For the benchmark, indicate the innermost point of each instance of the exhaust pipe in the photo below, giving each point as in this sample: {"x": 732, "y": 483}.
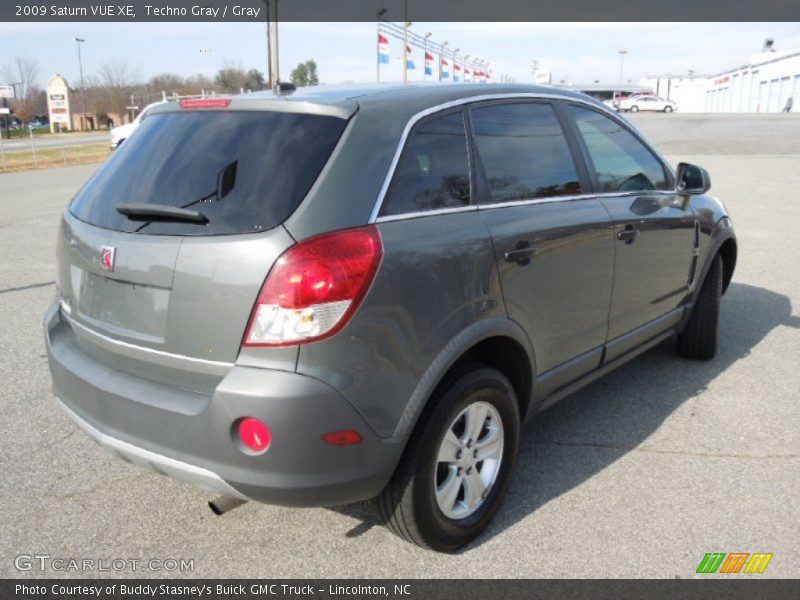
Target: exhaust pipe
{"x": 219, "y": 506}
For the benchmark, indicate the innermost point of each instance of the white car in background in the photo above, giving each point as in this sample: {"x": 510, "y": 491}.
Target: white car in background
{"x": 123, "y": 132}
{"x": 647, "y": 102}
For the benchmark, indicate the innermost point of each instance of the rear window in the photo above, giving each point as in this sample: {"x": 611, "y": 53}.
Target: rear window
{"x": 433, "y": 171}
{"x": 244, "y": 171}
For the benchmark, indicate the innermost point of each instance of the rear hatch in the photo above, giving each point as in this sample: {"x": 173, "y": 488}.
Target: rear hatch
{"x": 163, "y": 252}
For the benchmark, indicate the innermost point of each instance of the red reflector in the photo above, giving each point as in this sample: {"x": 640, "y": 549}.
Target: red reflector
{"x": 254, "y": 434}
{"x": 206, "y": 103}
{"x": 343, "y": 438}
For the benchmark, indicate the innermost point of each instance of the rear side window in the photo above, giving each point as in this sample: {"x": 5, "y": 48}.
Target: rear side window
{"x": 433, "y": 171}
{"x": 621, "y": 162}
{"x": 524, "y": 152}
{"x": 245, "y": 171}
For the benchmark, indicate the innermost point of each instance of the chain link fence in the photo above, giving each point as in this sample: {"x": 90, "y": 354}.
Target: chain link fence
{"x": 47, "y": 151}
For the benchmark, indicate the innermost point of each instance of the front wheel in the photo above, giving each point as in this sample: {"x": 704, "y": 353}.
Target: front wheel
{"x": 634, "y": 108}
{"x": 457, "y": 467}
{"x": 667, "y": 109}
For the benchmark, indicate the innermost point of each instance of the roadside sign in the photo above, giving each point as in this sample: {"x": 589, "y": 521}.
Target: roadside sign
{"x": 4, "y": 110}
{"x": 6, "y": 91}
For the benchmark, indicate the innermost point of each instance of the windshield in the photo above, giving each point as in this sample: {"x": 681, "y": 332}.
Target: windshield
{"x": 184, "y": 159}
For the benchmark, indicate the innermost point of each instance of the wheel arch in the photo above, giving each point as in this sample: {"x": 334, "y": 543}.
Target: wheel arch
{"x": 499, "y": 343}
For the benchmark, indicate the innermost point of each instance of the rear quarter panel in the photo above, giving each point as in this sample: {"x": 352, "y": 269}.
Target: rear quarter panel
{"x": 437, "y": 277}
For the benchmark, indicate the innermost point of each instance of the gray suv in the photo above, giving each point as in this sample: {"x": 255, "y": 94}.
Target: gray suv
{"x": 345, "y": 293}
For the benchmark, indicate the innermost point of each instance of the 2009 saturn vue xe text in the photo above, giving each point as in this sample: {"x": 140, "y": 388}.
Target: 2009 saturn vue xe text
{"x": 346, "y": 293}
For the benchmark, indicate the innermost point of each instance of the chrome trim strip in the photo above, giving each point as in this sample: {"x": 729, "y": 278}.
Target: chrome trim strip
{"x": 176, "y": 361}
{"x": 198, "y": 476}
{"x": 376, "y": 209}
{"x": 525, "y": 202}
{"x": 427, "y": 213}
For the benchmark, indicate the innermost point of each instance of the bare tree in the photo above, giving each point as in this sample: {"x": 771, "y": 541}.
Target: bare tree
{"x": 34, "y": 103}
{"x": 117, "y": 82}
{"x": 23, "y": 71}
{"x": 166, "y": 82}
{"x": 194, "y": 84}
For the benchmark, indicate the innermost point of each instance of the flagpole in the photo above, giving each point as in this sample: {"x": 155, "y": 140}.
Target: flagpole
{"x": 441, "y": 59}
{"x": 405, "y": 43}
{"x": 425, "y": 58}
{"x": 381, "y": 12}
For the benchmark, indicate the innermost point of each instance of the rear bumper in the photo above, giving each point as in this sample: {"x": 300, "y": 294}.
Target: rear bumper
{"x": 190, "y": 436}
{"x": 202, "y": 478}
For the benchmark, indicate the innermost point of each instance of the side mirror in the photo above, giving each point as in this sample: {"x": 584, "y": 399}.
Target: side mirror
{"x": 691, "y": 180}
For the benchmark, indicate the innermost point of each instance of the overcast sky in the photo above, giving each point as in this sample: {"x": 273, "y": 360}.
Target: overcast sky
{"x": 578, "y": 52}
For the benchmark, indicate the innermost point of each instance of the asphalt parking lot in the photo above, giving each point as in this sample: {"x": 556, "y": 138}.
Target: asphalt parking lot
{"x": 638, "y": 475}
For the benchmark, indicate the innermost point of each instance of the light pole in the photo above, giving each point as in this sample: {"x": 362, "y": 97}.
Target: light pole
{"x": 78, "y": 41}
{"x": 425, "y": 56}
{"x": 466, "y": 60}
{"x": 622, "y": 52}
{"x": 455, "y": 58}
{"x": 441, "y": 58}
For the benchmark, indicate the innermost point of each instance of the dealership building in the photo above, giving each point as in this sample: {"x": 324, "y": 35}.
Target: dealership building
{"x": 765, "y": 84}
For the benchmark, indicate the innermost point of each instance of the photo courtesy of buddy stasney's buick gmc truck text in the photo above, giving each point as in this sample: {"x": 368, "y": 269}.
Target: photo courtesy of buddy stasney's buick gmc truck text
{"x": 147, "y": 590}
{"x": 345, "y": 293}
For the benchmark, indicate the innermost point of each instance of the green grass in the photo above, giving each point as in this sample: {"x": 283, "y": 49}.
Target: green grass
{"x": 54, "y": 157}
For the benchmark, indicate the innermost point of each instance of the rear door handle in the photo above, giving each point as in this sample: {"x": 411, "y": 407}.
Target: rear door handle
{"x": 521, "y": 254}
{"x": 628, "y": 234}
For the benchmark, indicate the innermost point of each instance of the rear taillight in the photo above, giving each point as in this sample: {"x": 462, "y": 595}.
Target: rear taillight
{"x": 314, "y": 288}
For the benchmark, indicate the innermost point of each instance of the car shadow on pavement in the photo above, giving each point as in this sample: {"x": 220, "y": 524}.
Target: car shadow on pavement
{"x": 614, "y": 415}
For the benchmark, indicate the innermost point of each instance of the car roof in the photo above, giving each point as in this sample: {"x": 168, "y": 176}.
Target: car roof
{"x": 397, "y": 101}
{"x": 418, "y": 94}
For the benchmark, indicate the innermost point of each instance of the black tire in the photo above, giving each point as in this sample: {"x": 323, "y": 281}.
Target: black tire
{"x": 408, "y": 505}
{"x": 699, "y": 339}
{"x": 667, "y": 109}
{"x": 634, "y": 108}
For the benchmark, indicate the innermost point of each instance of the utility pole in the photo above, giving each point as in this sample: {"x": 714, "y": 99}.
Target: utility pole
{"x": 269, "y": 62}
{"x": 274, "y": 72}
{"x": 78, "y": 41}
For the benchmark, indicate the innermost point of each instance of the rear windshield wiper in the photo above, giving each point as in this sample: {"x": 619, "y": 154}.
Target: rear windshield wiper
{"x": 160, "y": 212}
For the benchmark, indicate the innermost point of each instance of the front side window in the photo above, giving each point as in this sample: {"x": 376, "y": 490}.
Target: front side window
{"x": 621, "y": 162}
{"x": 523, "y": 151}
{"x": 433, "y": 171}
